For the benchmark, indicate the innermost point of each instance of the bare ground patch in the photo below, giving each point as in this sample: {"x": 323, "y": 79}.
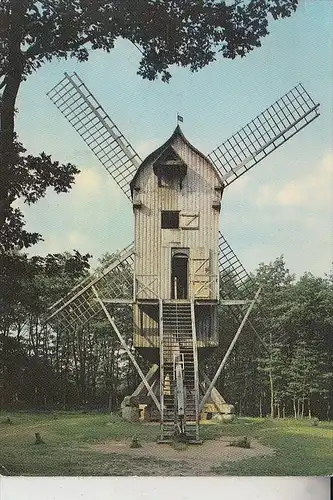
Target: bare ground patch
{"x": 195, "y": 460}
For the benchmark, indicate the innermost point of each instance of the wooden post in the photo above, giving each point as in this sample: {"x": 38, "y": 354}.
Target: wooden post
{"x": 148, "y": 377}
{"x": 227, "y": 354}
{"x": 196, "y": 369}
{"x": 125, "y": 346}
{"x": 160, "y": 312}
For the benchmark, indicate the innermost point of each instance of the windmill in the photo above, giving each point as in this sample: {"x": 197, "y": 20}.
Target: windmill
{"x": 176, "y": 326}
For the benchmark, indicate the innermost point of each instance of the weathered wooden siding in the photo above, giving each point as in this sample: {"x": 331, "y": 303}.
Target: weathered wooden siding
{"x": 153, "y": 244}
{"x": 146, "y": 328}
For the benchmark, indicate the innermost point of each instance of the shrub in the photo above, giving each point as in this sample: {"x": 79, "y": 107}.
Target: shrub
{"x": 244, "y": 442}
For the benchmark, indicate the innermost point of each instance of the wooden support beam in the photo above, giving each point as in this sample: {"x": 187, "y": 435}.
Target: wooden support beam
{"x": 235, "y": 302}
{"x": 227, "y": 354}
{"x": 196, "y": 369}
{"x": 217, "y": 398}
{"x": 125, "y": 346}
{"x": 180, "y": 393}
{"x": 148, "y": 377}
{"x": 161, "y": 386}
{"x": 117, "y": 301}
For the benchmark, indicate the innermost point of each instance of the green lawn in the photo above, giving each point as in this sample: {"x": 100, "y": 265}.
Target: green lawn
{"x": 300, "y": 448}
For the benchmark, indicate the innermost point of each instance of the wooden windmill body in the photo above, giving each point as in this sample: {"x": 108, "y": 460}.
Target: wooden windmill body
{"x": 175, "y": 274}
{"x": 176, "y": 199}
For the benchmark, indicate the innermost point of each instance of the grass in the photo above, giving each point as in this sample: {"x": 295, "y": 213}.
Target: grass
{"x": 300, "y": 448}
{"x": 67, "y": 438}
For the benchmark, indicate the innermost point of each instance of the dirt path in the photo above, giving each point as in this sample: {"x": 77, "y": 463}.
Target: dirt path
{"x": 195, "y": 460}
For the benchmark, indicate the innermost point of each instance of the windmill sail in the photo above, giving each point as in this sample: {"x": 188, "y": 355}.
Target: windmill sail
{"x": 263, "y": 135}
{"x": 79, "y": 306}
{"x": 100, "y": 133}
{"x": 236, "y": 283}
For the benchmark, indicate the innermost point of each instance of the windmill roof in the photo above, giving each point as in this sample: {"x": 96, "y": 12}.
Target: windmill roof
{"x": 155, "y": 154}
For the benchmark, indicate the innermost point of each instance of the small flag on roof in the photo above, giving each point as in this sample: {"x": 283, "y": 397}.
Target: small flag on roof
{"x": 179, "y": 118}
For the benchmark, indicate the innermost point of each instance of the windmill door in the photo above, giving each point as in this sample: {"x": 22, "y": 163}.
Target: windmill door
{"x": 200, "y": 274}
{"x": 179, "y": 273}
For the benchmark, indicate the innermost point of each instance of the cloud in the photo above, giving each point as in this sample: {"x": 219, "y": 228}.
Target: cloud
{"x": 94, "y": 187}
{"x": 144, "y": 148}
{"x": 89, "y": 181}
{"x": 284, "y": 216}
{"x": 76, "y": 238}
{"x": 239, "y": 186}
{"x": 93, "y": 217}
{"x": 312, "y": 188}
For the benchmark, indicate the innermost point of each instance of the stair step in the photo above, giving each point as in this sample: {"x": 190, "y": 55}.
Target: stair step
{"x": 178, "y": 339}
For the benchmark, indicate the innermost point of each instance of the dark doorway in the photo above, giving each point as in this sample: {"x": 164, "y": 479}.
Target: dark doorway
{"x": 179, "y": 273}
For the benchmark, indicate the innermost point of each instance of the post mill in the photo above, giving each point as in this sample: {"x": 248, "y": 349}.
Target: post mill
{"x": 175, "y": 274}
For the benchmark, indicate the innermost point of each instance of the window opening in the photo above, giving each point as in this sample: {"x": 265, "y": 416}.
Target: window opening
{"x": 169, "y": 219}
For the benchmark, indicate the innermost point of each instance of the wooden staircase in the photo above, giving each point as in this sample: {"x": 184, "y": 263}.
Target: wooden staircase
{"x": 179, "y": 383}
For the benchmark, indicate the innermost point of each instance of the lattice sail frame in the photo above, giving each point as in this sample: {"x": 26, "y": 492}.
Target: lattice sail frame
{"x": 80, "y": 306}
{"x": 263, "y": 135}
{"x": 75, "y": 101}
{"x": 235, "y": 282}
{"x": 269, "y": 130}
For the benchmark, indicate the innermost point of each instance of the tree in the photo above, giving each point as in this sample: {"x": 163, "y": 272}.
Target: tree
{"x": 304, "y": 377}
{"x": 275, "y": 301}
{"x": 182, "y": 32}
{"x": 30, "y": 176}
{"x": 28, "y": 286}
{"x": 310, "y": 315}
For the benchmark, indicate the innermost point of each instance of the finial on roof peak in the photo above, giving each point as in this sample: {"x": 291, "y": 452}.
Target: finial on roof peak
{"x": 180, "y": 118}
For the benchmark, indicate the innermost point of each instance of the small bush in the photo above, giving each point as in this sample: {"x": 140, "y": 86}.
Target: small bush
{"x": 7, "y": 421}
{"x": 135, "y": 443}
{"x": 38, "y": 438}
{"x": 181, "y": 437}
{"x": 179, "y": 445}
{"x": 315, "y": 422}
{"x": 244, "y": 442}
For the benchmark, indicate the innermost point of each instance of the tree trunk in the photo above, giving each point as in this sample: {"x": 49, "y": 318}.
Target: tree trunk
{"x": 110, "y": 402}
{"x": 294, "y": 406}
{"x": 284, "y": 410}
{"x": 271, "y": 385}
{"x": 13, "y": 78}
{"x": 260, "y": 407}
{"x": 309, "y": 408}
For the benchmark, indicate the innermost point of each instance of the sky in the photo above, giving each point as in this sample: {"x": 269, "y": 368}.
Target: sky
{"x": 284, "y": 205}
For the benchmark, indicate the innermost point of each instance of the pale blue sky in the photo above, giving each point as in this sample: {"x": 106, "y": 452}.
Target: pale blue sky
{"x": 284, "y": 205}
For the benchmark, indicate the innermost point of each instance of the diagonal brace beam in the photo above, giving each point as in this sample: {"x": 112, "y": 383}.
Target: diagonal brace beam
{"x": 125, "y": 346}
{"x": 216, "y": 397}
{"x": 151, "y": 373}
{"x": 227, "y": 354}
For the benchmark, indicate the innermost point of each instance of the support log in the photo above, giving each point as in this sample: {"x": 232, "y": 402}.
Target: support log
{"x": 125, "y": 346}
{"x": 227, "y": 354}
